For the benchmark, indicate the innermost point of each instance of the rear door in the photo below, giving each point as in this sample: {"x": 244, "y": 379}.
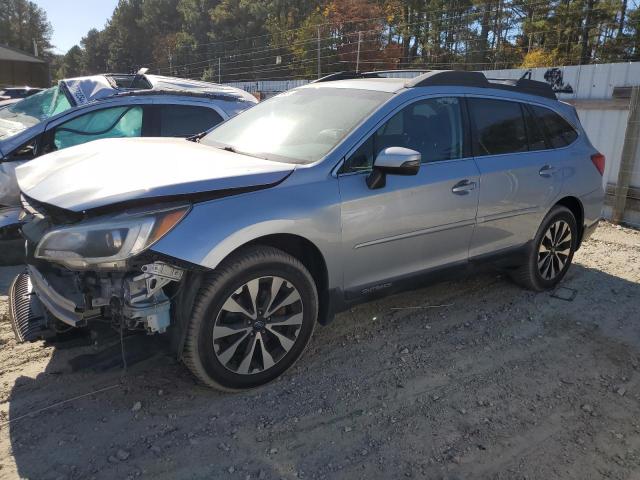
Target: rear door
{"x": 413, "y": 223}
{"x": 519, "y": 174}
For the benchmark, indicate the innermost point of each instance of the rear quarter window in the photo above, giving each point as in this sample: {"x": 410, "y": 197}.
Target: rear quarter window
{"x": 558, "y": 131}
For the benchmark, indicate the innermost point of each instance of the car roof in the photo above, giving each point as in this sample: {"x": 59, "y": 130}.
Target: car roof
{"x": 390, "y": 85}
{"x": 409, "y": 79}
{"x": 84, "y": 90}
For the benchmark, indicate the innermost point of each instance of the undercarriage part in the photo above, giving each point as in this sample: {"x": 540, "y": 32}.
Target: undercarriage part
{"x": 28, "y": 317}
{"x": 155, "y": 276}
{"x": 64, "y": 306}
{"x": 132, "y": 300}
{"x": 153, "y": 316}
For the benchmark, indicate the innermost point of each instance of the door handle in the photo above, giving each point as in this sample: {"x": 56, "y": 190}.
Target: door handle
{"x": 463, "y": 187}
{"x": 547, "y": 171}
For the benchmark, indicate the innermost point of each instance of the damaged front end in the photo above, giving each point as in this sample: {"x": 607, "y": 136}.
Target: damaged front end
{"x": 81, "y": 269}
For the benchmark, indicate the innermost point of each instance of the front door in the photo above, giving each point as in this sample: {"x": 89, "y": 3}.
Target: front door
{"x": 413, "y": 223}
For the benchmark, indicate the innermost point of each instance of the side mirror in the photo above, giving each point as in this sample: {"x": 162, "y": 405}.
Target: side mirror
{"x": 393, "y": 161}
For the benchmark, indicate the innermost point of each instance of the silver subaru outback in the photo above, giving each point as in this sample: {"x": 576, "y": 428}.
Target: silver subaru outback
{"x": 237, "y": 243}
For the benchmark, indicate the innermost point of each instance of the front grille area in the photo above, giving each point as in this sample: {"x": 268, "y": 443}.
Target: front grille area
{"x": 28, "y": 318}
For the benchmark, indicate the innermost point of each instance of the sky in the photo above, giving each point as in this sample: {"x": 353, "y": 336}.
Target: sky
{"x": 72, "y": 19}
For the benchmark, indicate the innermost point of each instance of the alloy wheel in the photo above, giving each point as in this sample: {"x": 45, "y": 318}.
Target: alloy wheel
{"x": 554, "y": 250}
{"x": 257, "y": 325}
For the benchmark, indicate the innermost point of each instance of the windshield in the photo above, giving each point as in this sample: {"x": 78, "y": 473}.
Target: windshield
{"x": 31, "y": 111}
{"x": 300, "y": 126}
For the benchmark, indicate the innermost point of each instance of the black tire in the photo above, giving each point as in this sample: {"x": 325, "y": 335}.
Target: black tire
{"x": 529, "y": 274}
{"x": 235, "y": 273}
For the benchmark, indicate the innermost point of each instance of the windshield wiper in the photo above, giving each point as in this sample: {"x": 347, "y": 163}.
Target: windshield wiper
{"x": 196, "y": 138}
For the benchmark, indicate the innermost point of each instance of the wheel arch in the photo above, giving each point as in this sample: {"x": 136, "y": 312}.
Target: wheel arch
{"x": 576, "y": 207}
{"x": 311, "y": 257}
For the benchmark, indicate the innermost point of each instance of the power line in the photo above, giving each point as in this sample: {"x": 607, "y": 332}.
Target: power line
{"x": 341, "y": 51}
{"x": 365, "y": 19}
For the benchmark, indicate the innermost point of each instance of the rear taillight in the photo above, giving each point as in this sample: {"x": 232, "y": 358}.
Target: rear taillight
{"x": 598, "y": 160}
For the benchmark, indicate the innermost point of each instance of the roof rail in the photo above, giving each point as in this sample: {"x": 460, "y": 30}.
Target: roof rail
{"x": 224, "y": 96}
{"x": 524, "y": 85}
{"x": 430, "y": 78}
{"x": 478, "y": 79}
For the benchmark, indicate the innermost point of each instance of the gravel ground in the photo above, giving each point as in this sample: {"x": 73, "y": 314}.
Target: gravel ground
{"x": 468, "y": 379}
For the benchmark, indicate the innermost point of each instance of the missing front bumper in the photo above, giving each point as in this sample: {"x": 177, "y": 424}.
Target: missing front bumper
{"x": 143, "y": 307}
{"x": 60, "y": 307}
{"x": 28, "y": 318}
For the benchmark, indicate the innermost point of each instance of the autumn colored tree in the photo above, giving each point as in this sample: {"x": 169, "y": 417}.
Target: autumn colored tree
{"x": 273, "y": 39}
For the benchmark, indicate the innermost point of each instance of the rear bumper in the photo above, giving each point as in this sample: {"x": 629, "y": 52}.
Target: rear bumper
{"x": 592, "y": 204}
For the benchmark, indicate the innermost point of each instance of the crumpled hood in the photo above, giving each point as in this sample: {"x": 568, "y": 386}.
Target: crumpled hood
{"x": 104, "y": 172}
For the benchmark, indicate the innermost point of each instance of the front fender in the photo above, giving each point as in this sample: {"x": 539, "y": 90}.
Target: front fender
{"x": 214, "y": 229}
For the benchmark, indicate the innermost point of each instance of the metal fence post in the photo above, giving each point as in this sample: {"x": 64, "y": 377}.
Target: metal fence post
{"x": 318, "y": 51}
{"x": 358, "y": 57}
{"x": 628, "y": 160}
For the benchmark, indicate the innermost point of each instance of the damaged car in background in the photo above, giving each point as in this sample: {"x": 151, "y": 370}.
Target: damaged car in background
{"x": 237, "y": 243}
{"x": 84, "y": 109}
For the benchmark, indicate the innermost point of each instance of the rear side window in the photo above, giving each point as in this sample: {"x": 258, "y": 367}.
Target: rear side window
{"x": 498, "y": 127}
{"x": 186, "y": 120}
{"x": 535, "y": 132}
{"x": 559, "y": 132}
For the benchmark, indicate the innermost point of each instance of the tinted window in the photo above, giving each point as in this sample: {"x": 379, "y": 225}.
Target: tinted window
{"x": 432, "y": 127}
{"x": 559, "y": 132}
{"x": 107, "y": 123}
{"x": 185, "y": 120}
{"x": 499, "y": 127}
{"x": 535, "y": 132}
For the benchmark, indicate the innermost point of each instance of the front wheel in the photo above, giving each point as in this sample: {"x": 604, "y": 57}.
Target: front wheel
{"x": 551, "y": 251}
{"x": 252, "y": 320}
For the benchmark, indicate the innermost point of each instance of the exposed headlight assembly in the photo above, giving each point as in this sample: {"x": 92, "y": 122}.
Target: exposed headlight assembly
{"x": 108, "y": 243}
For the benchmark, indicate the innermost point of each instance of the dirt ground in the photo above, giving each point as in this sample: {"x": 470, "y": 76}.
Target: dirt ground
{"x": 473, "y": 378}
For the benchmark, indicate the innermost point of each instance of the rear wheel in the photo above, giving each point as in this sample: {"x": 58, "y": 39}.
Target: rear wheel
{"x": 551, "y": 251}
{"x": 252, "y": 320}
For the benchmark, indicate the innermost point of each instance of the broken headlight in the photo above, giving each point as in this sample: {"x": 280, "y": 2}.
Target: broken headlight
{"x": 108, "y": 242}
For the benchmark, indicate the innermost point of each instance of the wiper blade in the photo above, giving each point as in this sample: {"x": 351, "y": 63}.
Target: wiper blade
{"x": 196, "y": 138}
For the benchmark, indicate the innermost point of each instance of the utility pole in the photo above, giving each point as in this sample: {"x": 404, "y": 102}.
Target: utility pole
{"x": 358, "y": 57}
{"x": 319, "y": 51}
{"x": 170, "y": 61}
{"x": 219, "y": 74}
{"x": 35, "y": 47}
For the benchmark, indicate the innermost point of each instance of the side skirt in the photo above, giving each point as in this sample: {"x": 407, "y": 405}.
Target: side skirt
{"x": 502, "y": 260}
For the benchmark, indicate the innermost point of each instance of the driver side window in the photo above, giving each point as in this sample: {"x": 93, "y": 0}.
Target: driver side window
{"x": 432, "y": 127}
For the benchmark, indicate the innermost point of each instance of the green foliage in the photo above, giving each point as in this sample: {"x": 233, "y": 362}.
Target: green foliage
{"x": 271, "y": 39}
{"x": 21, "y": 23}
{"x": 72, "y": 63}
